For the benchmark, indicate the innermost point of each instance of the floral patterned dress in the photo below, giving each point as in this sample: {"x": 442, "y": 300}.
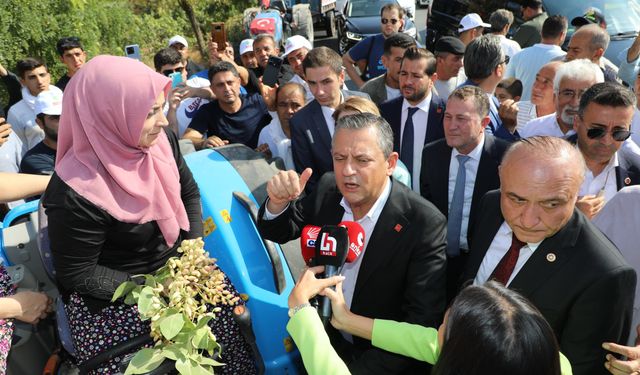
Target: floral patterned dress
{"x": 6, "y": 325}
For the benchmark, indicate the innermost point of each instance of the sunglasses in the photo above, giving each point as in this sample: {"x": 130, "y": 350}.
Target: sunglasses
{"x": 392, "y": 20}
{"x": 169, "y": 71}
{"x": 617, "y": 135}
{"x": 505, "y": 61}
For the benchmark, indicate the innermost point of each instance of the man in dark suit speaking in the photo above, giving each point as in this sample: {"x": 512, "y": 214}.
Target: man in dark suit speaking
{"x": 401, "y": 273}
{"x": 530, "y": 236}
{"x": 457, "y": 171}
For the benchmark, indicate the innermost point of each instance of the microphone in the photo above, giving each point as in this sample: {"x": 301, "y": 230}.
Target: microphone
{"x": 356, "y": 239}
{"x": 331, "y": 250}
{"x": 308, "y": 239}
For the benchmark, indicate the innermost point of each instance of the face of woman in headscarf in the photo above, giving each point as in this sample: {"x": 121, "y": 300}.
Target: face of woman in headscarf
{"x": 154, "y": 123}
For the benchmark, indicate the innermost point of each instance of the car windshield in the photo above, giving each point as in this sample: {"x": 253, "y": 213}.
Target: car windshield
{"x": 622, "y": 16}
{"x": 365, "y": 8}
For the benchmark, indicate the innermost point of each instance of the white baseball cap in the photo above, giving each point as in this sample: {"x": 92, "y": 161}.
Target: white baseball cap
{"x": 49, "y": 103}
{"x": 471, "y": 21}
{"x": 246, "y": 46}
{"x": 178, "y": 39}
{"x": 295, "y": 42}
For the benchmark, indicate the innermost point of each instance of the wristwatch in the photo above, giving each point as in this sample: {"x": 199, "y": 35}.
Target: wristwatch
{"x": 295, "y": 309}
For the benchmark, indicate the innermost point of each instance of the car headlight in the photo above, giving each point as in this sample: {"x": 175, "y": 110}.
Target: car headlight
{"x": 354, "y": 36}
{"x": 411, "y": 32}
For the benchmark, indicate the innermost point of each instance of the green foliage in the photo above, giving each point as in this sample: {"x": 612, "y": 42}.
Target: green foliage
{"x": 180, "y": 299}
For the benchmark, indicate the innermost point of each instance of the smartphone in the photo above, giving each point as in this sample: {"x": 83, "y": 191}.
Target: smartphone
{"x": 176, "y": 79}
{"x": 270, "y": 77}
{"x": 132, "y": 51}
{"x": 219, "y": 35}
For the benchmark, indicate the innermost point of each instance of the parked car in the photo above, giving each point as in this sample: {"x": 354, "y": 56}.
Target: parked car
{"x": 622, "y": 16}
{"x": 360, "y": 19}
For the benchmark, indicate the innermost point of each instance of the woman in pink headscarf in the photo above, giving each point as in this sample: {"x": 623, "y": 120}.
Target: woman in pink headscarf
{"x": 119, "y": 203}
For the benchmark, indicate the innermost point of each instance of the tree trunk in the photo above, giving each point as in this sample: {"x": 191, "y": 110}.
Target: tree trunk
{"x": 188, "y": 9}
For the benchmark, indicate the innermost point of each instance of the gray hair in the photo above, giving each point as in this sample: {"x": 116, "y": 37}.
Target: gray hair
{"x": 599, "y": 37}
{"x": 544, "y": 148}
{"x": 482, "y": 56}
{"x": 580, "y": 69}
{"x": 499, "y": 19}
{"x": 369, "y": 120}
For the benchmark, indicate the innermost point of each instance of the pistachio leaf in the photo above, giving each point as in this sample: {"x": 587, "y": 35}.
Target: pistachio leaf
{"x": 123, "y": 289}
{"x": 145, "y": 360}
{"x": 171, "y": 325}
{"x": 145, "y": 300}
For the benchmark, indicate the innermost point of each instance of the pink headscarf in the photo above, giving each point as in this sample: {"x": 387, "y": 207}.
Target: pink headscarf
{"x": 104, "y": 109}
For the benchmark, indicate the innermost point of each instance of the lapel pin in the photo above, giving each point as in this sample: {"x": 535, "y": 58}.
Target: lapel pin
{"x": 627, "y": 181}
{"x": 438, "y": 109}
{"x": 397, "y": 228}
{"x": 551, "y": 257}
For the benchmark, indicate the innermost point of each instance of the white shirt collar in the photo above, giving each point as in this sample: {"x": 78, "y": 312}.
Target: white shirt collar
{"x": 376, "y": 209}
{"x": 423, "y": 105}
{"x": 475, "y": 153}
{"x": 532, "y": 245}
{"x": 546, "y": 46}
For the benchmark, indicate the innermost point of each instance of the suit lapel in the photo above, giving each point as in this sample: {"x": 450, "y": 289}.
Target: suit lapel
{"x": 322, "y": 129}
{"x": 434, "y": 120}
{"x": 387, "y": 232}
{"x": 395, "y": 117}
{"x": 491, "y": 222}
{"x": 484, "y": 176}
{"x": 548, "y": 258}
{"x": 441, "y": 163}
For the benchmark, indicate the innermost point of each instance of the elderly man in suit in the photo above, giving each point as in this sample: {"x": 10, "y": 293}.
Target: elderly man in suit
{"x": 416, "y": 116}
{"x": 530, "y": 236}
{"x": 401, "y": 273}
{"x": 313, "y": 126}
{"x": 458, "y": 170}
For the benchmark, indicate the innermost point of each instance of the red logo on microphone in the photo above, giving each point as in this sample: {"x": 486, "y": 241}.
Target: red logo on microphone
{"x": 312, "y": 235}
{"x": 328, "y": 245}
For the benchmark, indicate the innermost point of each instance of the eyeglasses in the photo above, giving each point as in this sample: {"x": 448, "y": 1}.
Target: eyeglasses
{"x": 617, "y": 135}
{"x": 392, "y": 20}
{"x": 570, "y": 94}
{"x": 505, "y": 61}
{"x": 166, "y": 72}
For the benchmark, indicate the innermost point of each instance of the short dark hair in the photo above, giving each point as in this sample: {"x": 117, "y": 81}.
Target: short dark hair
{"x": 260, "y": 37}
{"x": 497, "y": 331}
{"x": 415, "y": 53}
{"x": 392, "y": 6}
{"x": 28, "y": 64}
{"x": 607, "y": 94}
{"x": 400, "y": 40}
{"x": 67, "y": 43}
{"x": 499, "y": 19}
{"x": 220, "y": 67}
{"x": 534, "y": 4}
{"x": 166, "y": 56}
{"x": 512, "y": 85}
{"x": 554, "y": 26}
{"x": 482, "y": 56}
{"x": 479, "y": 97}
{"x": 323, "y": 56}
{"x": 296, "y": 86}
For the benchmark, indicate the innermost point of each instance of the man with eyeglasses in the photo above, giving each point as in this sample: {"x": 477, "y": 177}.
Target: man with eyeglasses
{"x": 180, "y": 44}
{"x": 602, "y": 125}
{"x": 185, "y": 99}
{"x": 571, "y": 81}
{"x": 367, "y": 54}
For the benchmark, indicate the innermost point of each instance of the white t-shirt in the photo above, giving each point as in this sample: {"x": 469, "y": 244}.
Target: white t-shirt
{"x": 545, "y": 125}
{"x": 279, "y": 143}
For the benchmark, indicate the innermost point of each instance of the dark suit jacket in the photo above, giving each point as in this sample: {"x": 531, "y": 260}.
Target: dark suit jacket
{"x": 392, "y": 112}
{"x": 627, "y": 171}
{"x": 311, "y": 140}
{"x": 402, "y": 274}
{"x": 585, "y": 293}
{"x": 434, "y": 176}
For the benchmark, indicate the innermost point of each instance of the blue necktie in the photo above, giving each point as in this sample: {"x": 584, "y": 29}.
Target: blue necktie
{"x": 406, "y": 149}
{"x": 454, "y": 222}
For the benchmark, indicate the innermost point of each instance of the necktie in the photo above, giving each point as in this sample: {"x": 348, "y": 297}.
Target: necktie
{"x": 505, "y": 267}
{"x": 454, "y": 222}
{"x": 406, "y": 149}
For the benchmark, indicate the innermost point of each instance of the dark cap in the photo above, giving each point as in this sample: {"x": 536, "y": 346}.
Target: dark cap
{"x": 450, "y": 44}
{"x": 535, "y": 4}
{"x": 591, "y": 15}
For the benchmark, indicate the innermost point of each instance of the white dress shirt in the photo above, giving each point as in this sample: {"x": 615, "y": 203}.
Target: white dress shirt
{"x": 605, "y": 181}
{"x": 327, "y": 113}
{"x": 471, "y": 167}
{"x": 526, "y": 112}
{"x": 497, "y": 250}
{"x": 279, "y": 143}
{"x": 545, "y": 125}
{"x": 420, "y": 118}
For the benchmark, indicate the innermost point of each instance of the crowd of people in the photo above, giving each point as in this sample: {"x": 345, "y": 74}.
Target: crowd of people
{"x": 492, "y": 177}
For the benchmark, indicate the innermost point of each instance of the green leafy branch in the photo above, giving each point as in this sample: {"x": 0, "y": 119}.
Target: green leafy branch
{"x": 180, "y": 299}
